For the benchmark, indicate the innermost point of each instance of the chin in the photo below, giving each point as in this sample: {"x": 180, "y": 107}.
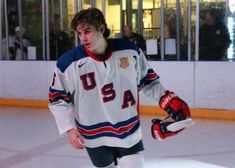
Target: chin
{"x": 88, "y": 47}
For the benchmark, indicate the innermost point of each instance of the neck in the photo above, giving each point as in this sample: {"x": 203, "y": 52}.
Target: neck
{"x": 103, "y": 54}
{"x": 101, "y": 46}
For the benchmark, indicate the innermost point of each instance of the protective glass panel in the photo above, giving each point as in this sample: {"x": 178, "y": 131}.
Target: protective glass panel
{"x": 61, "y": 35}
{"x": 113, "y": 17}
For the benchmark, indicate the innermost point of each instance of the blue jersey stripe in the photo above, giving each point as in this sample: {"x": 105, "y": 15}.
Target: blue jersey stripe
{"x": 104, "y": 124}
{"x": 147, "y": 80}
{"x": 56, "y": 95}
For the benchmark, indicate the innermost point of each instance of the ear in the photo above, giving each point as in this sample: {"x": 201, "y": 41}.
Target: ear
{"x": 102, "y": 29}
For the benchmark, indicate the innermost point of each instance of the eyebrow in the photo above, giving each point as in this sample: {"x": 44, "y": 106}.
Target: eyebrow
{"x": 88, "y": 28}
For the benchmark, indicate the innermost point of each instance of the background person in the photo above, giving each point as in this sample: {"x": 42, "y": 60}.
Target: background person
{"x": 214, "y": 38}
{"x": 14, "y": 45}
{"x": 60, "y": 41}
{"x": 136, "y": 38}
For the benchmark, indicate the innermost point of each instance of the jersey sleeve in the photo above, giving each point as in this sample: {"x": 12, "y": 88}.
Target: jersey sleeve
{"x": 61, "y": 100}
{"x": 149, "y": 82}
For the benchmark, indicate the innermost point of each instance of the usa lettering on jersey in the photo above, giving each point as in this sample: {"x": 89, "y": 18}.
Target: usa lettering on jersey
{"x": 107, "y": 91}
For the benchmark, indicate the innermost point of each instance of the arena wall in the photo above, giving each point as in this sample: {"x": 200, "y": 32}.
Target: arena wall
{"x": 207, "y": 85}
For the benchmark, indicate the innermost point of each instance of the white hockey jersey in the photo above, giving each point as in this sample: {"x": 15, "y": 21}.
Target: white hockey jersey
{"x": 103, "y": 95}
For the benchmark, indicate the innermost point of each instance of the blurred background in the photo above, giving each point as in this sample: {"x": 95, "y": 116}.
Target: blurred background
{"x": 164, "y": 24}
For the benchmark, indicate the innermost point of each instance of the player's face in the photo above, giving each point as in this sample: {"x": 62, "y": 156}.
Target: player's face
{"x": 89, "y": 36}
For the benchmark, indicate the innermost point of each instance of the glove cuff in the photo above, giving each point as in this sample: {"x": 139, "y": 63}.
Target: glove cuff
{"x": 167, "y": 99}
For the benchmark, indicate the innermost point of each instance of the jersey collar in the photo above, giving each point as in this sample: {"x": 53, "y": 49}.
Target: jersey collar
{"x": 89, "y": 53}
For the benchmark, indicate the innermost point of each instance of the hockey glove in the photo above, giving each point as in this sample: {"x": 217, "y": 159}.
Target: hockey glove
{"x": 174, "y": 106}
{"x": 159, "y": 129}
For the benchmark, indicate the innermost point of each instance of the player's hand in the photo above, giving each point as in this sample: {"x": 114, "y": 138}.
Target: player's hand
{"x": 175, "y": 107}
{"x": 159, "y": 129}
{"x": 76, "y": 139}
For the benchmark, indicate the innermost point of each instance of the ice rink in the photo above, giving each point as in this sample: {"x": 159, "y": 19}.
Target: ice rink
{"x": 29, "y": 139}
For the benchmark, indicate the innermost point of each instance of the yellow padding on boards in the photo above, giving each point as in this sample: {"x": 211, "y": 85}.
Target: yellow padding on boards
{"x": 26, "y": 103}
{"x": 144, "y": 109}
{"x": 217, "y": 114}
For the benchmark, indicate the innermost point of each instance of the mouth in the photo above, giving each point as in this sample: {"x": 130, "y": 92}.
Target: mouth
{"x": 87, "y": 45}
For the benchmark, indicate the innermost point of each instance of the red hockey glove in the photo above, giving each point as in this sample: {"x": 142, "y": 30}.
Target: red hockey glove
{"x": 159, "y": 129}
{"x": 175, "y": 107}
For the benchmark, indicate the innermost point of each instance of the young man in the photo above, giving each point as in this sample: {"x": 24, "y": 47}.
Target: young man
{"x": 94, "y": 95}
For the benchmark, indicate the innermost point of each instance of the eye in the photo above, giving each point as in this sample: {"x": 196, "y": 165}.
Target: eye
{"x": 79, "y": 33}
{"x": 87, "y": 32}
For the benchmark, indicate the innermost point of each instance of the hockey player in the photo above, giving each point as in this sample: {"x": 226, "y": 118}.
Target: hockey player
{"x": 94, "y": 95}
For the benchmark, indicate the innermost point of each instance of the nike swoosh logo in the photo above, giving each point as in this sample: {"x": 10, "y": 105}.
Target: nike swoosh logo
{"x": 79, "y": 66}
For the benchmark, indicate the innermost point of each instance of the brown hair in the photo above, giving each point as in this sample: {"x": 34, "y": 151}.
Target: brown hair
{"x": 92, "y": 16}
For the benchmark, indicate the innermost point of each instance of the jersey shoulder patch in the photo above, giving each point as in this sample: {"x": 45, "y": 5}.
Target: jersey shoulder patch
{"x": 70, "y": 56}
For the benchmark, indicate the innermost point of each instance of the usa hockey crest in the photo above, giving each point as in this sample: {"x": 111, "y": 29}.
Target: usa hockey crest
{"x": 124, "y": 63}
